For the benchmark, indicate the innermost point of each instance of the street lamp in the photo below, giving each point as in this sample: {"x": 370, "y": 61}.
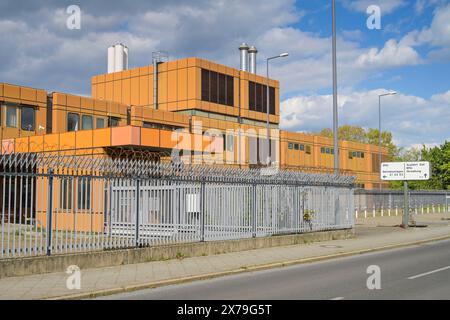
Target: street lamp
{"x": 335, "y": 97}
{"x": 379, "y": 124}
{"x": 281, "y": 55}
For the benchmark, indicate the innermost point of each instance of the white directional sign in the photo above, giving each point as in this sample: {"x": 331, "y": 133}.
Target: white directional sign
{"x": 405, "y": 170}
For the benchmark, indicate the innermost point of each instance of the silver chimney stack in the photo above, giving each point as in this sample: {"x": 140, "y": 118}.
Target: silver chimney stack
{"x": 252, "y": 59}
{"x": 244, "y": 56}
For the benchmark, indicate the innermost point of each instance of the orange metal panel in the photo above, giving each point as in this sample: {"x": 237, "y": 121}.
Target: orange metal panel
{"x": 117, "y": 91}
{"x": 127, "y": 135}
{"x": 11, "y": 91}
{"x": 172, "y": 86}
{"x": 126, "y": 91}
{"x": 102, "y": 138}
{"x": 84, "y": 139}
{"x": 162, "y": 87}
{"x": 67, "y": 140}
{"x": 27, "y": 94}
{"x": 150, "y": 137}
{"x": 143, "y": 90}
{"x": 134, "y": 95}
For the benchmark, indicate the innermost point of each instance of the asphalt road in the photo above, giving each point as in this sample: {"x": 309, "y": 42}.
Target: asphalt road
{"x": 417, "y": 272}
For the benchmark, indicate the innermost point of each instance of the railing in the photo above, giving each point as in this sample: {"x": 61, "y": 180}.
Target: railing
{"x": 372, "y": 203}
{"x": 56, "y": 204}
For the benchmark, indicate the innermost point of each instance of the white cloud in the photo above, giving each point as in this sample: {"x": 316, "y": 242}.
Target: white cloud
{"x": 393, "y": 54}
{"x": 411, "y": 119}
{"x": 387, "y": 6}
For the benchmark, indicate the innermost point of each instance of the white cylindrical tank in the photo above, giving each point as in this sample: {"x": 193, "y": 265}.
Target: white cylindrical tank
{"x": 119, "y": 57}
{"x": 252, "y": 59}
{"x": 125, "y": 58}
{"x": 111, "y": 59}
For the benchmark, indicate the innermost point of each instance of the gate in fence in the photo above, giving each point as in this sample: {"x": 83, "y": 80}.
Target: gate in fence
{"x": 59, "y": 204}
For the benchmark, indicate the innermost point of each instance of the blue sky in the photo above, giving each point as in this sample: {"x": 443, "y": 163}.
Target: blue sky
{"x": 409, "y": 54}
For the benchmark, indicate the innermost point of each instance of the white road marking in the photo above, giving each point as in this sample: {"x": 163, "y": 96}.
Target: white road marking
{"x": 427, "y": 273}
{"x": 337, "y": 298}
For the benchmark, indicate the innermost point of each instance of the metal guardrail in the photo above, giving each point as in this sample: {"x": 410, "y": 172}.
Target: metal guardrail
{"x": 372, "y": 203}
{"x": 56, "y": 204}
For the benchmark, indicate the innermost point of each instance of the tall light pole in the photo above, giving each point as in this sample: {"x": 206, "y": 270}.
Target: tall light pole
{"x": 379, "y": 124}
{"x": 335, "y": 104}
{"x": 281, "y": 55}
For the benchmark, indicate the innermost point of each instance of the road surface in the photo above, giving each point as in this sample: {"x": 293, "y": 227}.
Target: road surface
{"x": 417, "y": 272}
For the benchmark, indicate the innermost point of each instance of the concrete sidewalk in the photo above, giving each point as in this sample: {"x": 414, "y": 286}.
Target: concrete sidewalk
{"x": 372, "y": 234}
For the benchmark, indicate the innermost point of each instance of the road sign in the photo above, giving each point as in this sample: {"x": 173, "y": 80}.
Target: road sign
{"x": 393, "y": 171}
{"x": 405, "y": 170}
{"x": 417, "y": 170}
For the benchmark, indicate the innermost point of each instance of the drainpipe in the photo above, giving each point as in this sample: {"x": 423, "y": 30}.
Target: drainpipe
{"x": 155, "y": 83}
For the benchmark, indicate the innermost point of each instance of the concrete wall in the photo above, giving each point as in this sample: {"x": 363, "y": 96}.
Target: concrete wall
{"x": 97, "y": 259}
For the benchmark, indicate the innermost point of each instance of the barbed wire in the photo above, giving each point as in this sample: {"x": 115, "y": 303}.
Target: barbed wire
{"x": 144, "y": 164}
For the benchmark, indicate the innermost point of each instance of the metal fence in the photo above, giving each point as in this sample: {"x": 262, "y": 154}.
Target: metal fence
{"x": 372, "y": 203}
{"x": 59, "y": 204}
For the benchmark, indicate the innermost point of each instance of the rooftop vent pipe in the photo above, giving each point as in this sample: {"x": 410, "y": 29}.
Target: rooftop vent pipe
{"x": 117, "y": 58}
{"x": 244, "y": 56}
{"x": 252, "y": 59}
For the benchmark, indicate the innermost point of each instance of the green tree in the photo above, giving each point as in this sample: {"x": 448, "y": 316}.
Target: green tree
{"x": 359, "y": 134}
{"x": 439, "y": 158}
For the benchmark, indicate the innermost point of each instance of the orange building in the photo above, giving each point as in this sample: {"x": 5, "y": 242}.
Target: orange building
{"x": 133, "y": 109}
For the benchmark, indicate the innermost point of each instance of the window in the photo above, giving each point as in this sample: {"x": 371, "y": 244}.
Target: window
{"x": 205, "y": 85}
{"x": 322, "y": 150}
{"x": 355, "y": 154}
{"x": 100, "y": 123}
{"x": 251, "y": 95}
{"x": 86, "y": 123}
{"x": 66, "y": 193}
{"x": 257, "y": 97}
{"x": 73, "y": 120}
{"x": 27, "y": 118}
{"x": 327, "y": 150}
{"x": 153, "y": 125}
{"x": 302, "y": 147}
{"x": 332, "y": 150}
{"x": 217, "y": 87}
{"x": 11, "y": 116}
{"x": 229, "y": 143}
{"x": 290, "y": 145}
{"x": 308, "y": 149}
{"x": 296, "y": 146}
{"x": 84, "y": 193}
{"x": 113, "y": 122}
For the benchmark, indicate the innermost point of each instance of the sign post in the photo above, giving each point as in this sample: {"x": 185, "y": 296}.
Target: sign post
{"x": 405, "y": 171}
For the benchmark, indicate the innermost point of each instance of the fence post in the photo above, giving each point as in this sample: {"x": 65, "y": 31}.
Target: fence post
{"x": 254, "y": 211}
{"x": 49, "y": 211}
{"x": 202, "y": 211}
{"x": 138, "y": 197}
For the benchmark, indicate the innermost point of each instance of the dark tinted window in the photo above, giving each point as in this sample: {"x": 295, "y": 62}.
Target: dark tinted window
{"x": 271, "y": 100}
{"x": 214, "y": 84}
{"x": 113, "y": 122}
{"x": 86, "y": 122}
{"x": 205, "y": 85}
{"x": 100, "y": 123}
{"x": 222, "y": 88}
{"x": 73, "y": 120}
{"x": 230, "y": 91}
{"x": 257, "y": 97}
{"x": 27, "y": 118}
{"x": 251, "y": 95}
{"x": 264, "y": 99}
{"x": 217, "y": 87}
